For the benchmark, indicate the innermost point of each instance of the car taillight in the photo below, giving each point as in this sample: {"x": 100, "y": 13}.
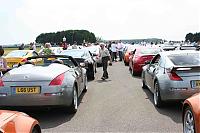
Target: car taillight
{"x": 24, "y": 60}
{"x": 173, "y": 76}
{"x": 58, "y": 80}
{"x": 1, "y": 83}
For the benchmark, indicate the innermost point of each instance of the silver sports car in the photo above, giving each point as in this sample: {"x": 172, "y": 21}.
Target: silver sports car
{"x": 172, "y": 75}
{"x": 56, "y": 80}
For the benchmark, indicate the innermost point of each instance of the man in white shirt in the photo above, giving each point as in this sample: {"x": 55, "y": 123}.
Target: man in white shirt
{"x": 114, "y": 51}
{"x": 104, "y": 56}
{"x": 120, "y": 46}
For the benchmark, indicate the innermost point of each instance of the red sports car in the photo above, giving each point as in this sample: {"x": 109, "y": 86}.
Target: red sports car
{"x": 191, "y": 114}
{"x": 139, "y": 56}
{"x": 127, "y": 54}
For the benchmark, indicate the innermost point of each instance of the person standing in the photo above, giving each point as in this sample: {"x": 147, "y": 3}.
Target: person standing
{"x": 114, "y": 51}
{"x": 3, "y": 62}
{"x": 32, "y": 46}
{"x": 105, "y": 57}
{"x": 120, "y": 49}
{"x": 109, "y": 47}
{"x": 21, "y": 47}
{"x": 46, "y": 50}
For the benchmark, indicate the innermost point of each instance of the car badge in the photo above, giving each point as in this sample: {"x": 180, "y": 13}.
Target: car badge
{"x": 26, "y": 77}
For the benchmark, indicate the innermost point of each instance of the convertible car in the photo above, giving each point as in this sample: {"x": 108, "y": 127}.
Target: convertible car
{"x": 191, "y": 114}
{"x": 16, "y": 57}
{"x": 59, "y": 80}
{"x": 83, "y": 56}
{"x": 17, "y": 122}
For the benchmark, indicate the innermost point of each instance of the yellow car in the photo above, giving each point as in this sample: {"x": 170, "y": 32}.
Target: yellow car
{"x": 16, "y": 57}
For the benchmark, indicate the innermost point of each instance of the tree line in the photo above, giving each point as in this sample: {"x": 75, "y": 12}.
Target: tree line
{"x": 192, "y": 37}
{"x": 71, "y": 36}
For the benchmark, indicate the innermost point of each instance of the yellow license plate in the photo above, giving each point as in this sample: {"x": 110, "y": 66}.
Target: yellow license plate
{"x": 197, "y": 83}
{"x": 27, "y": 90}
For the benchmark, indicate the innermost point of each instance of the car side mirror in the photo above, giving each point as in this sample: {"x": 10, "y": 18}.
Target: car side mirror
{"x": 94, "y": 54}
{"x": 82, "y": 64}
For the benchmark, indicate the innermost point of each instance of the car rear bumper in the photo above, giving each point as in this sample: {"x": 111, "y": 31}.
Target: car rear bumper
{"x": 175, "y": 94}
{"x": 126, "y": 59}
{"x": 48, "y": 99}
{"x": 137, "y": 68}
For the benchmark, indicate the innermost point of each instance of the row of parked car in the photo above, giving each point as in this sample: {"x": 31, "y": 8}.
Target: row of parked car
{"x": 171, "y": 75}
{"x": 50, "y": 80}
{"x": 44, "y": 80}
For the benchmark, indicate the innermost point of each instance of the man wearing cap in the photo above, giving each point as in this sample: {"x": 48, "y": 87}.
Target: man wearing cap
{"x": 104, "y": 56}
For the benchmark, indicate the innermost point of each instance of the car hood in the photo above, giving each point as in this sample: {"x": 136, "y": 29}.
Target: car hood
{"x": 30, "y": 72}
{"x": 6, "y": 115}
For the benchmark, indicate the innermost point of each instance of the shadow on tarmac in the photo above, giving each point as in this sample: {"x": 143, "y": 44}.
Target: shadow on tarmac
{"x": 48, "y": 117}
{"x": 171, "y": 109}
{"x": 102, "y": 81}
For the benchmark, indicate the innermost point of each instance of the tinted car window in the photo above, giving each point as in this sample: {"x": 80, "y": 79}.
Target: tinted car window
{"x": 185, "y": 59}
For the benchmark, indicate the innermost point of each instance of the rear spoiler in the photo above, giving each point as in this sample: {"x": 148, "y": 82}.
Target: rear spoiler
{"x": 186, "y": 68}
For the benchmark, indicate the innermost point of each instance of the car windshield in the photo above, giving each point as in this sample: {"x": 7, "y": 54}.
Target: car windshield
{"x": 150, "y": 51}
{"x": 17, "y": 54}
{"x": 185, "y": 59}
{"x": 73, "y": 53}
{"x": 92, "y": 49}
{"x": 50, "y": 60}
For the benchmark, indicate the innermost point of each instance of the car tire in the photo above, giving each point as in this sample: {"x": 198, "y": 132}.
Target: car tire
{"x": 36, "y": 129}
{"x": 85, "y": 87}
{"x": 93, "y": 75}
{"x": 132, "y": 72}
{"x": 144, "y": 86}
{"x": 74, "y": 106}
{"x": 156, "y": 96}
{"x": 126, "y": 64}
{"x": 188, "y": 121}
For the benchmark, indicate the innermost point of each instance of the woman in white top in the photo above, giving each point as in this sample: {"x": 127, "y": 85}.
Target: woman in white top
{"x": 3, "y": 62}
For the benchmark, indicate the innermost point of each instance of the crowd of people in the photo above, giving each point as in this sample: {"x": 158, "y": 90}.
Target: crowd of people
{"x": 108, "y": 51}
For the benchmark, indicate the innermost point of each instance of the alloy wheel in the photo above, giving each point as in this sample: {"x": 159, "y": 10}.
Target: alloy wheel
{"x": 189, "y": 122}
{"x": 155, "y": 94}
{"x": 75, "y": 99}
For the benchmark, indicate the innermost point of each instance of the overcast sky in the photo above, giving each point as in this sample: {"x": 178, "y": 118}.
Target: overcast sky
{"x": 21, "y": 21}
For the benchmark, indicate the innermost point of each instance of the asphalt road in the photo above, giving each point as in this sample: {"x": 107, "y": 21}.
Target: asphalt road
{"x": 118, "y": 104}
